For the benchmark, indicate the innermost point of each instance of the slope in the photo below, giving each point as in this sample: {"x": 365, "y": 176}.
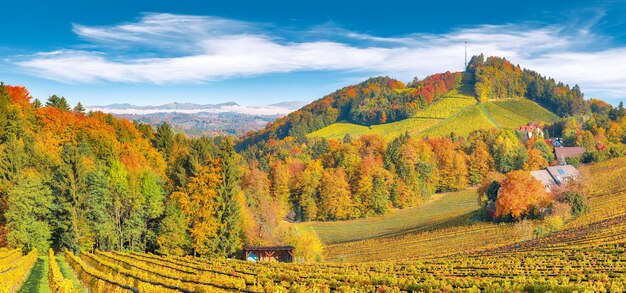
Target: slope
{"x": 456, "y": 114}
{"x": 454, "y": 233}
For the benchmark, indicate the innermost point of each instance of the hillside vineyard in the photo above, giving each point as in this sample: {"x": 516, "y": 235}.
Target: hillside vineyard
{"x": 495, "y": 179}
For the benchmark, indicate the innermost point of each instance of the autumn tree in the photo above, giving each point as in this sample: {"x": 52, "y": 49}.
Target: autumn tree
{"x": 335, "y": 199}
{"x": 535, "y": 160}
{"x": 197, "y": 203}
{"x": 520, "y": 195}
{"x": 480, "y": 162}
{"x": 452, "y": 165}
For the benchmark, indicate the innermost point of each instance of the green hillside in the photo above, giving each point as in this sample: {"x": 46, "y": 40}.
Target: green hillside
{"x": 456, "y": 113}
{"x": 440, "y": 209}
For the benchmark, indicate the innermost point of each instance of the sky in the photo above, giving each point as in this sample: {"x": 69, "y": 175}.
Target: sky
{"x": 151, "y": 52}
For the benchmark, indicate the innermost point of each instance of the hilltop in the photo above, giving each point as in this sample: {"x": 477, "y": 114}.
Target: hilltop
{"x": 491, "y": 93}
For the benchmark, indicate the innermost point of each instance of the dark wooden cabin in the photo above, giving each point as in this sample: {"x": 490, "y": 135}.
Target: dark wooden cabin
{"x": 269, "y": 253}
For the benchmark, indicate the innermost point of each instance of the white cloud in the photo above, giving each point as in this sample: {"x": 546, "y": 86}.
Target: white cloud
{"x": 200, "y": 49}
{"x": 241, "y": 109}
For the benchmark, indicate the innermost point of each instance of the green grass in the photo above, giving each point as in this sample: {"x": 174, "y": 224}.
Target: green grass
{"x": 503, "y": 117}
{"x": 68, "y": 273}
{"x": 528, "y": 109}
{"x": 37, "y": 281}
{"x": 388, "y": 130}
{"x": 458, "y": 114}
{"x": 462, "y": 124}
{"x": 444, "y": 207}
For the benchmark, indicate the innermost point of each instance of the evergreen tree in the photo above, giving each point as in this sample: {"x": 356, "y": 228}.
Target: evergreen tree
{"x": 58, "y": 102}
{"x": 79, "y": 108}
{"x": 37, "y": 104}
{"x": 69, "y": 190}
{"x": 164, "y": 139}
{"x": 229, "y": 232}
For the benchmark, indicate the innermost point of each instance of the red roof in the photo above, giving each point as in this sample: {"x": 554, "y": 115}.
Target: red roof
{"x": 569, "y": 152}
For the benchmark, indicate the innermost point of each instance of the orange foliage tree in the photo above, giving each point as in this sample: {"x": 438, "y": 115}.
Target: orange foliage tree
{"x": 520, "y": 195}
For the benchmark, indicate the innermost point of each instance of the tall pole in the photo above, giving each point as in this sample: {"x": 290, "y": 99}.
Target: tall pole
{"x": 466, "y": 54}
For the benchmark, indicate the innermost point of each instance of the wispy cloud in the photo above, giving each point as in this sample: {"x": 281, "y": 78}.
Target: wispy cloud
{"x": 195, "y": 49}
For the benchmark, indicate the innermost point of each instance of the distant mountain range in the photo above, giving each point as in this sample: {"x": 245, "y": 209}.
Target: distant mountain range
{"x": 282, "y": 108}
{"x": 209, "y": 119}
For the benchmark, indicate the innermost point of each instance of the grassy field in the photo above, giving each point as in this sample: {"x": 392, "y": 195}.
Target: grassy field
{"x": 456, "y": 113}
{"x": 528, "y": 109}
{"x": 442, "y": 208}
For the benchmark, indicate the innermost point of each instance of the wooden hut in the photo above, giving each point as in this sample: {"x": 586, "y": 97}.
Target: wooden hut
{"x": 269, "y": 253}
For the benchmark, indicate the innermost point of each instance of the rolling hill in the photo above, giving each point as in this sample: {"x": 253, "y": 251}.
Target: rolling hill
{"x": 454, "y": 112}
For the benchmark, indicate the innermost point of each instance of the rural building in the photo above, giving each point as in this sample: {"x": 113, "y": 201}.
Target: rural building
{"x": 555, "y": 175}
{"x": 545, "y": 178}
{"x": 563, "y": 153}
{"x": 554, "y": 142}
{"x": 563, "y": 174}
{"x": 530, "y": 130}
{"x": 269, "y": 253}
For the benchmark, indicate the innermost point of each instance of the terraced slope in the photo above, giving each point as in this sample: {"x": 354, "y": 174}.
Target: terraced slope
{"x": 457, "y": 113}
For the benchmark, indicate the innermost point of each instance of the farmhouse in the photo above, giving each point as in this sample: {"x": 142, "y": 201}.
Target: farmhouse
{"x": 563, "y": 153}
{"x": 555, "y": 175}
{"x": 545, "y": 178}
{"x": 269, "y": 253}
{"x": 569, "y": 152}
{"x": 530, "y": 130}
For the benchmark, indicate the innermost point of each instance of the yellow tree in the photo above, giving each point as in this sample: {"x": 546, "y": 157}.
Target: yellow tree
{"x": 335, "y": 200}
{"x": 480, "y": 162}
{"x": 197, "y": 202}
{"x": 535, "y": 161}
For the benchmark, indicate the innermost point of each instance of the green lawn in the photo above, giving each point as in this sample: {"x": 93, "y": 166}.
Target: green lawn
{"x": 443, "y": 207}
{"x": 37, "y": 281}
{"x": 528, "y": 109}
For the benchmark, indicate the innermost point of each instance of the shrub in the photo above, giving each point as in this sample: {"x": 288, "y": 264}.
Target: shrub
{"x": 577, "y": 202}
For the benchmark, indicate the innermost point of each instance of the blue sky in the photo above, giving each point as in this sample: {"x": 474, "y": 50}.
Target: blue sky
{"x": 263, "y": 52}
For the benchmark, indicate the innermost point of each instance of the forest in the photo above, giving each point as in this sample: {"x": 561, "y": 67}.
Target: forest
{"x": 87, "y": 181}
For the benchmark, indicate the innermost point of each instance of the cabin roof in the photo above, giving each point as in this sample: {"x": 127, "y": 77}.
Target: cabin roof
{"x": 543, "y": 176}
{"x": 268, "y": 248}
{"x": 569, "y": 152}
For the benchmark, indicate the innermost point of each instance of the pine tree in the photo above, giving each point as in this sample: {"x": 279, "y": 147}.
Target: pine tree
{"x": 79, "y": 108}
{"x": 164, "y": 139}
{"x": 58, "y": 102}
{"x": 37, "y": 104}
{"x": 229, "y": 232}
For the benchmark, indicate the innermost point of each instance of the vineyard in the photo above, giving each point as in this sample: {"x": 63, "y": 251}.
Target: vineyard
{"x": 455, "y": 113}
{"x": 429, "y": 249}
